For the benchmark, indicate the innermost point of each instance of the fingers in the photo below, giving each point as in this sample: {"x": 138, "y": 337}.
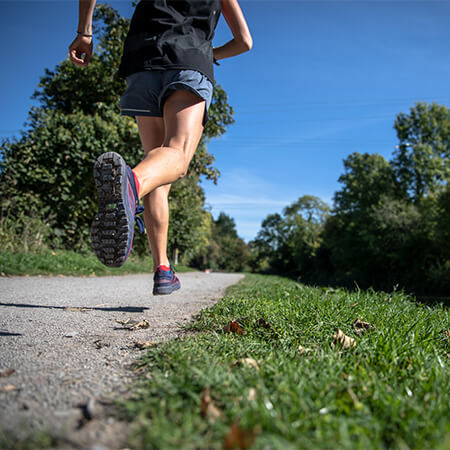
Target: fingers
{"x": 80, "y": 52}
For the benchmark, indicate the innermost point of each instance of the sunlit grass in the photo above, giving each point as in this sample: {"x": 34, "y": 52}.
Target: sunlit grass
{"x": 390, "y": 391}
{"x": 62, "y": 262}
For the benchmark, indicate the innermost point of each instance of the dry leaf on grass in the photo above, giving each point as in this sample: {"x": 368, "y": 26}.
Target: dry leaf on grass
{"x": 361, "y": 327}
{"x": 6, "y": 373}
{"x": 237, "y": 438}
{"x": 303, "y": 350}
{"x": 7, "y": 388}
{"x": 251, "y": 396}
{"x": 76, "y": 308}
{"x": 143, "y": 345}
{"x": 233, "y": 327}
{"x": 342, "y": 341}
{"x": 248, "y": 362}
{"x": 263, "y": 323}
{"x": 129, "y": 324}
{"x": 209, "y": 410}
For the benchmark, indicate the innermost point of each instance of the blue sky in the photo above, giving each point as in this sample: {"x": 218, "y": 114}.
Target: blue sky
{"x": 324, "y": 79}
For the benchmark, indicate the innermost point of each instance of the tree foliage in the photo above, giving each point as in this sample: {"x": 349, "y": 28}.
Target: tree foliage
{"x": 390, "y": 222}
{"x": 288, "y": 243}
{"x": 225, "y": 250}
{"x": 422, "y": 160}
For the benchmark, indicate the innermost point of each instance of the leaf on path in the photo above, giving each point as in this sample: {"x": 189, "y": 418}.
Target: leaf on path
{"x": 233, "y": 327}
{"x": 6, "y": 373}
{"x": 209, "y": 410}
{"x": 89, "y": 410}
{"x": 7, "y": 388}
{"x": 129, "y": 324}
{"x": 77, "y": 308}
{"x": 303, "y": 350}
{"x": 99, "y": 344}
{"x": 342, "y": 341}
{"x": 237, "y": 438}
{"x": 71, "y": 334}
{"x": 248, "y": 362}
{"x": 361, "y": 327}
{"x": 143, "y": 345}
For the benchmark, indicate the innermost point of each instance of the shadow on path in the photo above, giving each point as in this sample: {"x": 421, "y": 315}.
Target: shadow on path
{"x": 7, "y": 333}
{"x": 129, "y": 309}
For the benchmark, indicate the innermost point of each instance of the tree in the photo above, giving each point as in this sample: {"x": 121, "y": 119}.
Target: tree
{"x": 288, "y": 244}
{"x": 422, "y": 160}
{"x": 77, "y": 120}
{"x": 225, "y": 250}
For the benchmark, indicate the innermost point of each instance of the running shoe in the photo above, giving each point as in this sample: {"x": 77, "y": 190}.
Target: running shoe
{"x": 112, "y": 230}
{"x": 165, "y": 281}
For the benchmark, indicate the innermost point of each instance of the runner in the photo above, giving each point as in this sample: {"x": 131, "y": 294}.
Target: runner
{"x": 168, "y": 65}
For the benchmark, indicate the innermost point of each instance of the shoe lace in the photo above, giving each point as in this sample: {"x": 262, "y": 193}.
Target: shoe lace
{"x": 139, "y": 221}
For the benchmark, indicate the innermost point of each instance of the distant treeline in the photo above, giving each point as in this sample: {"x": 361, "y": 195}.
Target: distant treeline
{"x": 390, "y": 222}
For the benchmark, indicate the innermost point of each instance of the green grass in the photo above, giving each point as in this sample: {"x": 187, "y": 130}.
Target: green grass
{"x": 391, "y": 391}
{"x": 62, "y": 262}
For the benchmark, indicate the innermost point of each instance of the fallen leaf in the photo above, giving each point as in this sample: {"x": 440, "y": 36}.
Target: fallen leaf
{"x": 209, "y": 410}
{"x": 263, "y": 323}
{"x": 71, "y": 334}
{"x": 142, "y": 324}
{"x": 233, "y": 327}
{"x": 89, "y": 411}
{"x": 6, "y": 373}
{"x": 7, "y": 388}
{"x": 134, "y": 324}
{"x": 76, "y": 308}
{"x": 251, "y": 396}
{"x": 123, "y": 322}
{"x": 239, "y": 438}
{"x": 341, "y": 340}
{"x": 361, "y": 327}
{"x": 249, "y": 362}
{"x": 143, "y": 345}
{"x": 303, "y": 350}
{"x": 99, "y": 344}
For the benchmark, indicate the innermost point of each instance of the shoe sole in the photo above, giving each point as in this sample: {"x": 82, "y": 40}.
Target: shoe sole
{"x": 111, "y": 227}
{"x": 165, "y": 290}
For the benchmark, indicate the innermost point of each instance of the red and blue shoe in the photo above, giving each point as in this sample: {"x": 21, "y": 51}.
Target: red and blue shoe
{"x": 112, "y": 230}
{"x": 165, "y": 281}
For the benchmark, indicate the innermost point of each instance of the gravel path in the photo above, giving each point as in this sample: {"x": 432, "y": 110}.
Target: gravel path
{"x": 61, "y": 337}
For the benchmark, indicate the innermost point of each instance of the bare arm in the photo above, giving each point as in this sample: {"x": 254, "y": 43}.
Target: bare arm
{"x": 242, "y": 40}
{"x": 82, "y": 45}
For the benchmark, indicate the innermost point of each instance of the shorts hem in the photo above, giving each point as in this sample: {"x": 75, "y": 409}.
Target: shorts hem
{"x": 136, "y": 113}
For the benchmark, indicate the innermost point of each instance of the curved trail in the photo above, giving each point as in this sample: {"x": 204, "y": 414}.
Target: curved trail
{"x": 61, "y": 337}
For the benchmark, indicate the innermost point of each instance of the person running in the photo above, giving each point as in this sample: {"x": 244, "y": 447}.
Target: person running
{"x": 167, "y": 61}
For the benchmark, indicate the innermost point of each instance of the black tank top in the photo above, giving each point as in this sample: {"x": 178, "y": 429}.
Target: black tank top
{"x": 171, "y": 34}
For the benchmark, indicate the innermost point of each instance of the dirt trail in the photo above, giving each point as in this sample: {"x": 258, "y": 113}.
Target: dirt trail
{"x": 62, "y": 339}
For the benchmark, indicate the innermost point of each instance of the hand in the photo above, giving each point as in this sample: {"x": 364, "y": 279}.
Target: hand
{"x": 80, "y": 50}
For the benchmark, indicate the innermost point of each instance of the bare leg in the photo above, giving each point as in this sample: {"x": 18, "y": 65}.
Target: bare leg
{"x": 179, "y": 133}
{"x": 156, "y": 204}
{"x": 183, "y": 115}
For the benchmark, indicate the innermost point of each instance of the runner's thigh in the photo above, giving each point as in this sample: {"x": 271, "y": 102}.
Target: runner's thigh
{"x": 183, "y": 117}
